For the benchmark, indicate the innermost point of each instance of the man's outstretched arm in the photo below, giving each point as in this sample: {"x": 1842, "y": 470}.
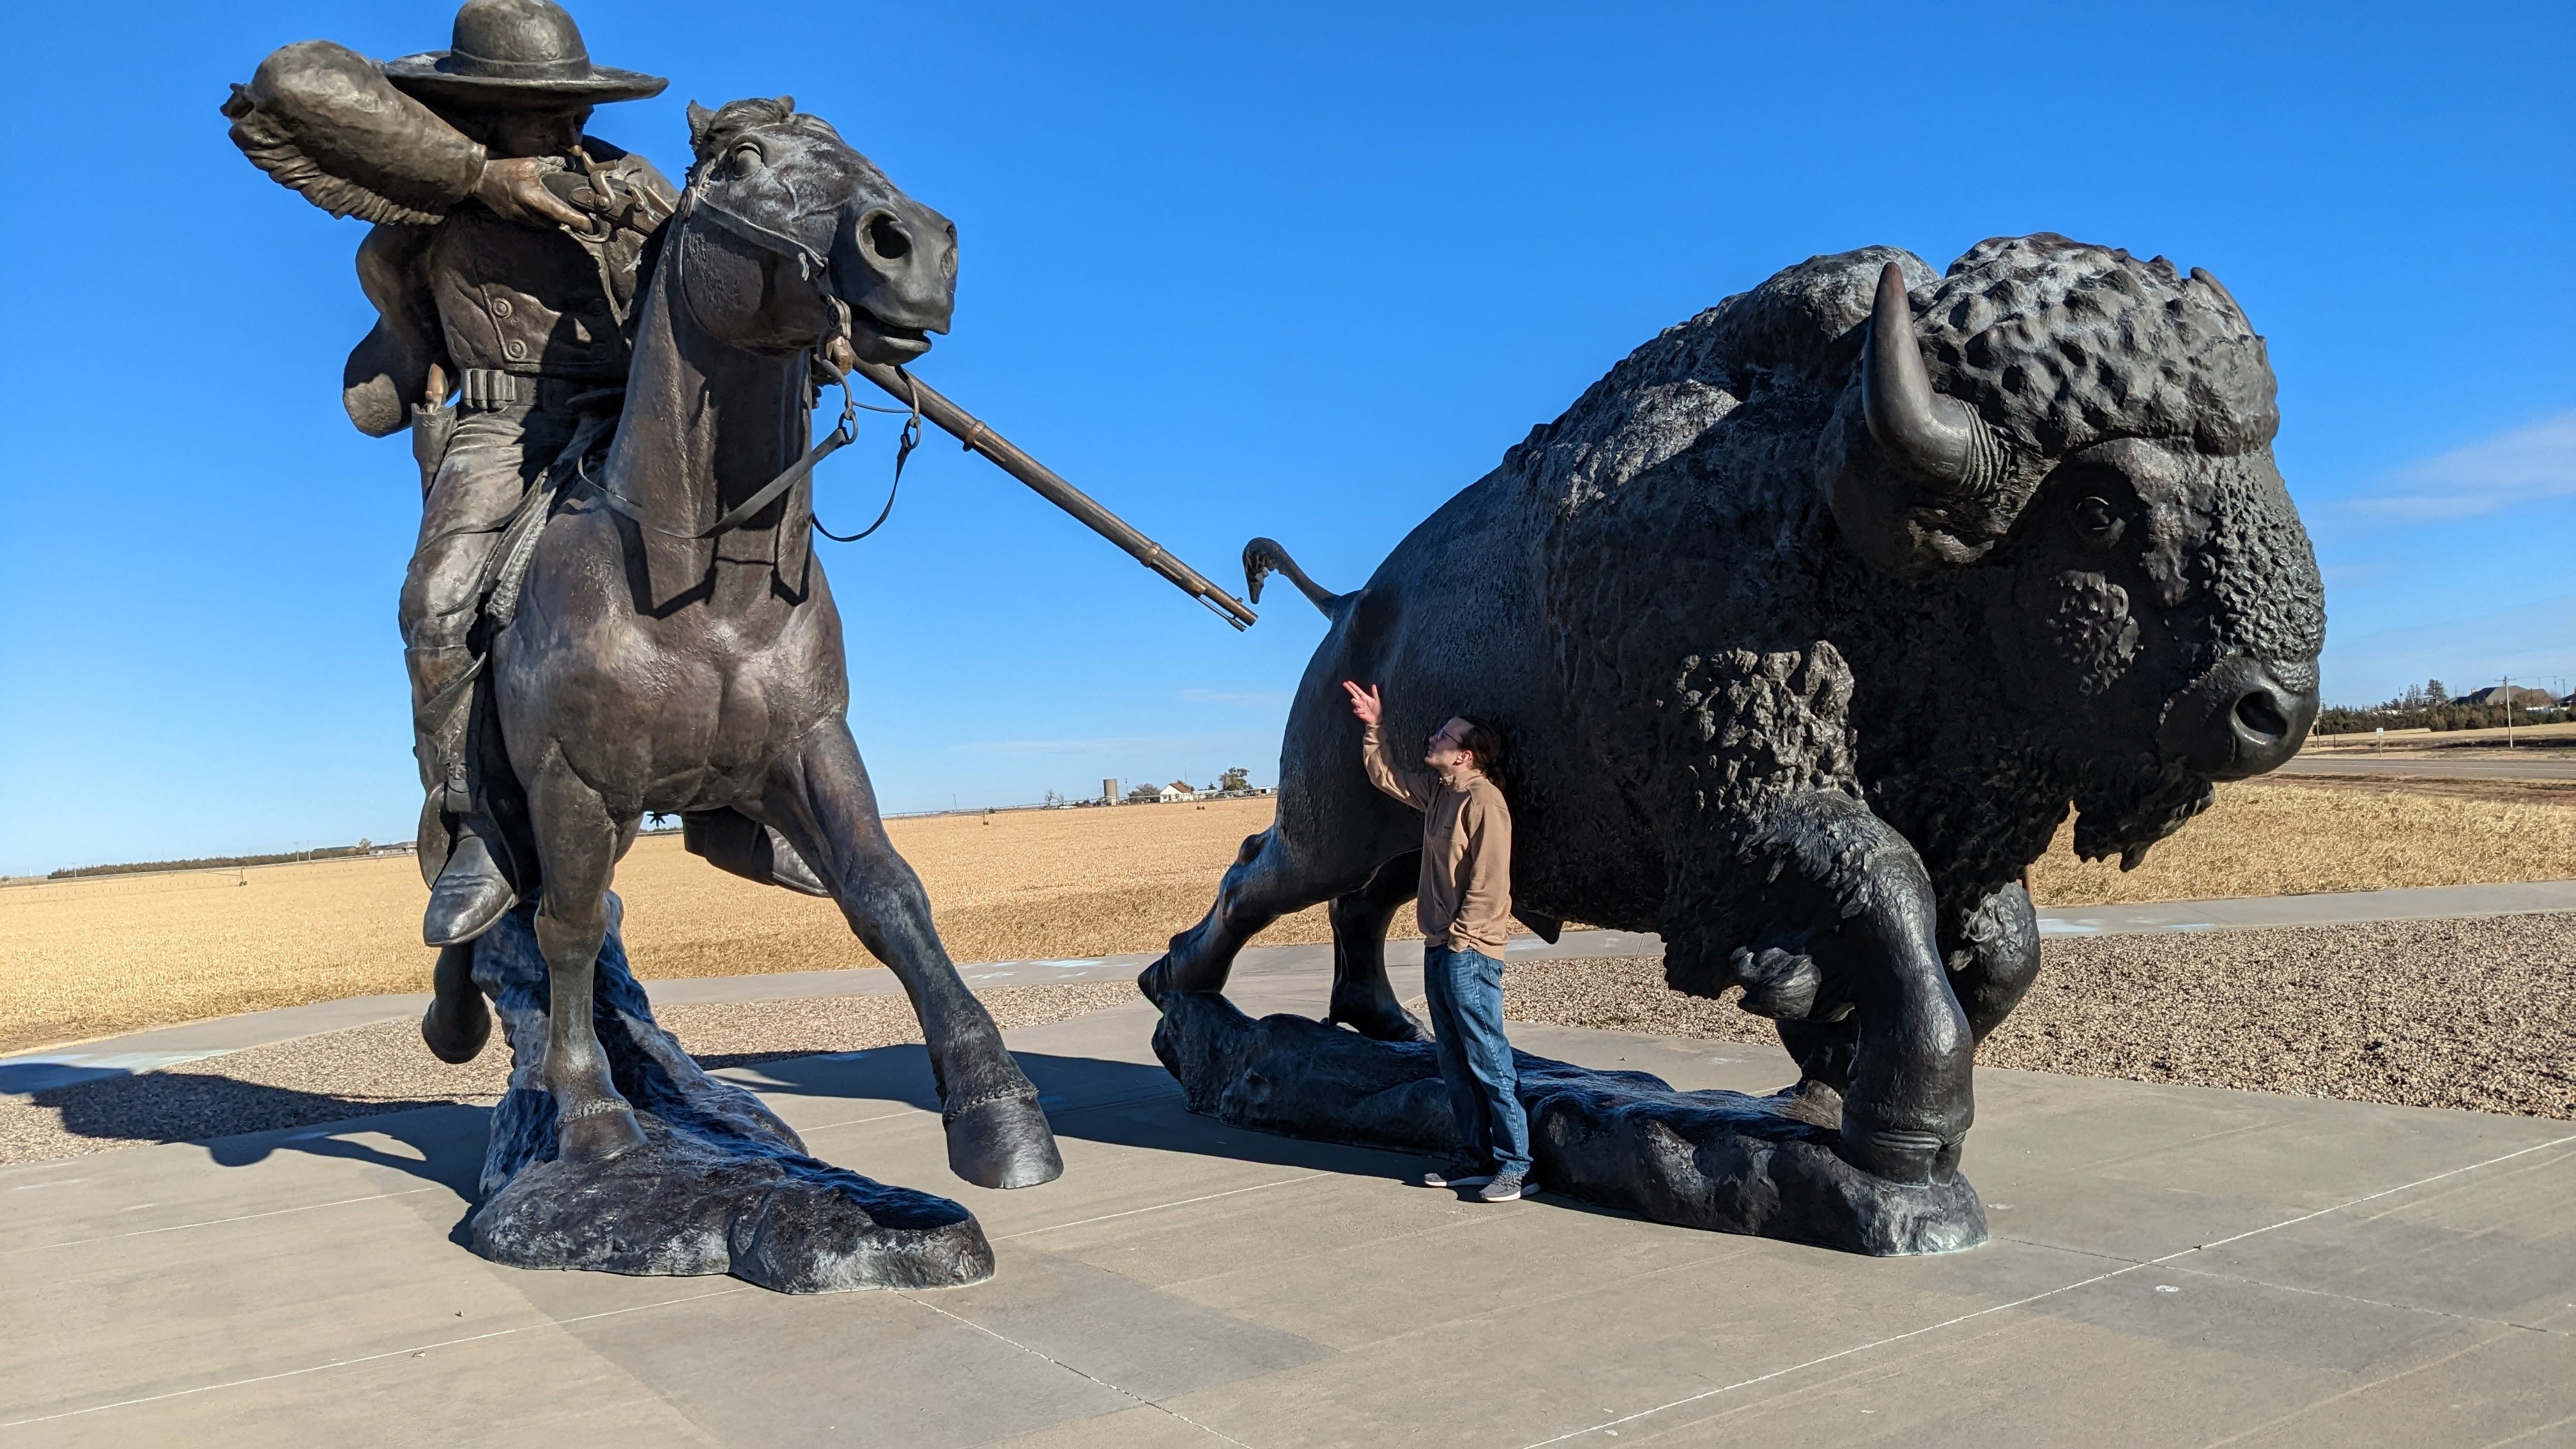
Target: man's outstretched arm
{"x": 1413, "y": 787}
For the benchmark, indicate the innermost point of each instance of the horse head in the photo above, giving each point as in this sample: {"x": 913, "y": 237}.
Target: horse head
{"x": 804, "y": 241}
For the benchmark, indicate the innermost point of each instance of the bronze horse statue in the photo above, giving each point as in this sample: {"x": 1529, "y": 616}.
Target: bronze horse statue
{"x": 671, "y": 653}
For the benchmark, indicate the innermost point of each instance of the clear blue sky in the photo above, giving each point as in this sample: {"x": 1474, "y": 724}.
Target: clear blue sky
{"x": 1304, "y": 272}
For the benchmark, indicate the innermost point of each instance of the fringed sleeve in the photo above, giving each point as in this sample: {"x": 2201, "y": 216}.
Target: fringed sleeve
{"x": 320, "y": 118}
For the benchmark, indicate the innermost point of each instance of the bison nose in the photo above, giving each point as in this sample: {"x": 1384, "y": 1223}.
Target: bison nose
{"x": 2237, "y": 721}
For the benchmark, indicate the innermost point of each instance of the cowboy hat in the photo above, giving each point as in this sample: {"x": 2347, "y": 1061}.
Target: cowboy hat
{"x": 517, "y": 55}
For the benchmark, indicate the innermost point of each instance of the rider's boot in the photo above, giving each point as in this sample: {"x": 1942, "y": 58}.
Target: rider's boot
{"x": 472, "y": 889}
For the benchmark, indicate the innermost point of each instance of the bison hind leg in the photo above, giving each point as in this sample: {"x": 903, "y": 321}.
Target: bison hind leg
{"x": 1363, "y": 1000}
{"x": 1271, "y": 877}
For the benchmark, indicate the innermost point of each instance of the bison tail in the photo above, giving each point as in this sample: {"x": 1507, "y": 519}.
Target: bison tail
{"x": 1263, "y": 556}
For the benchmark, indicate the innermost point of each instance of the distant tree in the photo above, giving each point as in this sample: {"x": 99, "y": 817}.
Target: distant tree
{"x": 2435, "y": 696}
{"x": 1237, "y": 778}
{"x": 1145, "y": 792}
{"x": 1053, "y": 799}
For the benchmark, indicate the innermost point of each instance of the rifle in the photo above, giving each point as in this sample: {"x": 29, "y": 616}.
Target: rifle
{"x": 958, "y": 423}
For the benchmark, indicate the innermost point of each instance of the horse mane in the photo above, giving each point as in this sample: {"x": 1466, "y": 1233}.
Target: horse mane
{"x": 712, "y": 133}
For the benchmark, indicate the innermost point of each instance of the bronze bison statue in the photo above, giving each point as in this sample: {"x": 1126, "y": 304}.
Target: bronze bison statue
{"x": 1805, "y": 628}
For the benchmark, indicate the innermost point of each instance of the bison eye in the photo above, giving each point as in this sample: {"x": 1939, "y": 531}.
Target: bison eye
{"x": 2095, "y": 519}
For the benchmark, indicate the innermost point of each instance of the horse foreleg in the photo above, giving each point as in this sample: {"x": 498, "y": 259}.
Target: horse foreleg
{"x": 577, "y": 845}
{"x": 821, "y": 800}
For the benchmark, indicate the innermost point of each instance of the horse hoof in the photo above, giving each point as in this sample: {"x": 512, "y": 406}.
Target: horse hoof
{"x": 599, "y": 1136}
{"x": 455, "y": 1031}
{"x": 1004, "y": 1143}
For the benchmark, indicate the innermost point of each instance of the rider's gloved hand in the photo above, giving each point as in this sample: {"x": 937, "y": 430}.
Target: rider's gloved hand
{"x": 514, "y": 187}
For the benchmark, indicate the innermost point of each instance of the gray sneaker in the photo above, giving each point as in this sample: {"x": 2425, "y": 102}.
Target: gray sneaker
{"x": 1507, "y": 1186}
{"x": 1459, "y": 1174}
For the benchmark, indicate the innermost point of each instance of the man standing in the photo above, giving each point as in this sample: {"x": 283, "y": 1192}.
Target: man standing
{"x": 503, "y": 267}
{"x": 1465, "y": 908}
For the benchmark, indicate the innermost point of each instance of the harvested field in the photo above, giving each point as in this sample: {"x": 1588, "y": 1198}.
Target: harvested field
{"x": 369, "y": 1070}
{"x": 111, "y": 954}
{"x": 2477, "y": 1014}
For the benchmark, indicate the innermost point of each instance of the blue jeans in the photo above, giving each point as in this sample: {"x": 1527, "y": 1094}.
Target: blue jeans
{"x": 1465, "y": 992}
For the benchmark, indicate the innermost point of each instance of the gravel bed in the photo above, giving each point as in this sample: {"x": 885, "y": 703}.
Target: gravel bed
{"x": 2476, "y": 1014}
{"x": 383, "y": 1067}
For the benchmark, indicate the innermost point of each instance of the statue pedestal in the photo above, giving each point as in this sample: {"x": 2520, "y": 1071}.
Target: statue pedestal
{"x": 1716, "y": 1160}
{"x": 721, "y": 1185}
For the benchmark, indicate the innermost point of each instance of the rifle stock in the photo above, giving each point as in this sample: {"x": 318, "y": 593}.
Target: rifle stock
{"x": 911, "y": 391}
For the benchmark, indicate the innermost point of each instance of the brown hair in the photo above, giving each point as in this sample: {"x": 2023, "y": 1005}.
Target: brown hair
{"x": 1481, "y": 740}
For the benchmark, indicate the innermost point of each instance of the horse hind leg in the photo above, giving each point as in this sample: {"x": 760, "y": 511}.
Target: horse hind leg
{"x": 577, "y": 846}
{"x": 822, "y": 802}
{"x": 1363, "y": 999}
{"x": 457, "y": 1023}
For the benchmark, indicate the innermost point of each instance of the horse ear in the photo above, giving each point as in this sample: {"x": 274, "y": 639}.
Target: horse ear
{"x": 699, "y": 116}
{"x": 787, "y": 105}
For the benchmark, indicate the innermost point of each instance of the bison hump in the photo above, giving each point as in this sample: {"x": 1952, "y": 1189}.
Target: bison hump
{"x": 1798, "y": 331}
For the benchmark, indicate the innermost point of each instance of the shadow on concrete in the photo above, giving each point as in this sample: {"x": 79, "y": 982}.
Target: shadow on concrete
{"x": 240, "y": 1123}
{"x": 1118, "y": 1103}
{"x": 1124, "y": 1104}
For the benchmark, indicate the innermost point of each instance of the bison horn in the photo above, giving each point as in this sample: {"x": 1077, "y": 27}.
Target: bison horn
{"x": 1939, "y": 438}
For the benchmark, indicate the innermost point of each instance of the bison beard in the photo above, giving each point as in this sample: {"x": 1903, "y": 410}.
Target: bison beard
{"x": 1805, "y": 626}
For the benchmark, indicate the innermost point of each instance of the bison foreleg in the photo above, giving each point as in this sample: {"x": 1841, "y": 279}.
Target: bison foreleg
{"x": 1992, "y": 952}
{"x": 1826, "y": 915}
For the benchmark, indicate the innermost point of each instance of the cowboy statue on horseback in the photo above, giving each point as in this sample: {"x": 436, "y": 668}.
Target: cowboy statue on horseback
{"x": 615, "y": 611}
{"x": 503, "y": 267}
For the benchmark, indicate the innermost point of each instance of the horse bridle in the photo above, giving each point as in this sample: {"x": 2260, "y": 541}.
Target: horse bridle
{"x": 810, "y": 264}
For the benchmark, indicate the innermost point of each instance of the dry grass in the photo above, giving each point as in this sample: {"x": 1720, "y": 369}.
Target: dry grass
{"x": 119, "y": 953}
{"x": 2266, "y": 839}
{"x": 112, "y": 954}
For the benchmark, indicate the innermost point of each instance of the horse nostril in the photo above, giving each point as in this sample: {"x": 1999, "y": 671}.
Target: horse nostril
{"x": 2261, "y": 717}
{"x": 886, "y": 239}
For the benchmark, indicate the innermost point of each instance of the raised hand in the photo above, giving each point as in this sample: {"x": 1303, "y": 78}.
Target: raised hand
{"x": 1365, "y": 703}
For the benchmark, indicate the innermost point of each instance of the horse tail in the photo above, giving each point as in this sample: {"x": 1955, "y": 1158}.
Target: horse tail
{"x": 1263, "y": 556}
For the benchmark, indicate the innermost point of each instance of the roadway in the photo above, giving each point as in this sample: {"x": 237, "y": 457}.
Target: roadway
{"x": 2556, "y": 764}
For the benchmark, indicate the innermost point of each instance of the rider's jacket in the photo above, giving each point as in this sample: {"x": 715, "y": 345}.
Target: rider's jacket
{"x": 499, "y": 304}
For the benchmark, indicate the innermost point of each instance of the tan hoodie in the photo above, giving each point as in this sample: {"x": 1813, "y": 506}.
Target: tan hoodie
{"x": 1466, "y": 900}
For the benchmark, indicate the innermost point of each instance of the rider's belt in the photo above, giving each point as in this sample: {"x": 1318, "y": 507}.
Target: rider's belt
{"x": 488, "y": 389}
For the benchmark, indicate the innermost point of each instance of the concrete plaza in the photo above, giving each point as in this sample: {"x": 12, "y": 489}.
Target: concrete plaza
{"x": 2170, "y": 1266}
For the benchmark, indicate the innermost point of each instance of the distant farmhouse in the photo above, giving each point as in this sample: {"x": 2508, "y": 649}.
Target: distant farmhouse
{"x": 2520, "y": 697}
{"x": 1234, "y": 784}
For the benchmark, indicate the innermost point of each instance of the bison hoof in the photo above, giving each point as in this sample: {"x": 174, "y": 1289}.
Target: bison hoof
{"x": 1004, "y": 1143}
{"x": 1150, "y": 980}
{"x": 1895, "y": 1154}
{"x": 1378, "y": 1020}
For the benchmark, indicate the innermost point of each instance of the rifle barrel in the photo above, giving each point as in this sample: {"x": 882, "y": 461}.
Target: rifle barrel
{"x": 911, "y": 391}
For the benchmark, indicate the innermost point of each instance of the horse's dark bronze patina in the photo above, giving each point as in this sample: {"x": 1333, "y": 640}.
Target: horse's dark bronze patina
{"x": 650, "y": 670}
